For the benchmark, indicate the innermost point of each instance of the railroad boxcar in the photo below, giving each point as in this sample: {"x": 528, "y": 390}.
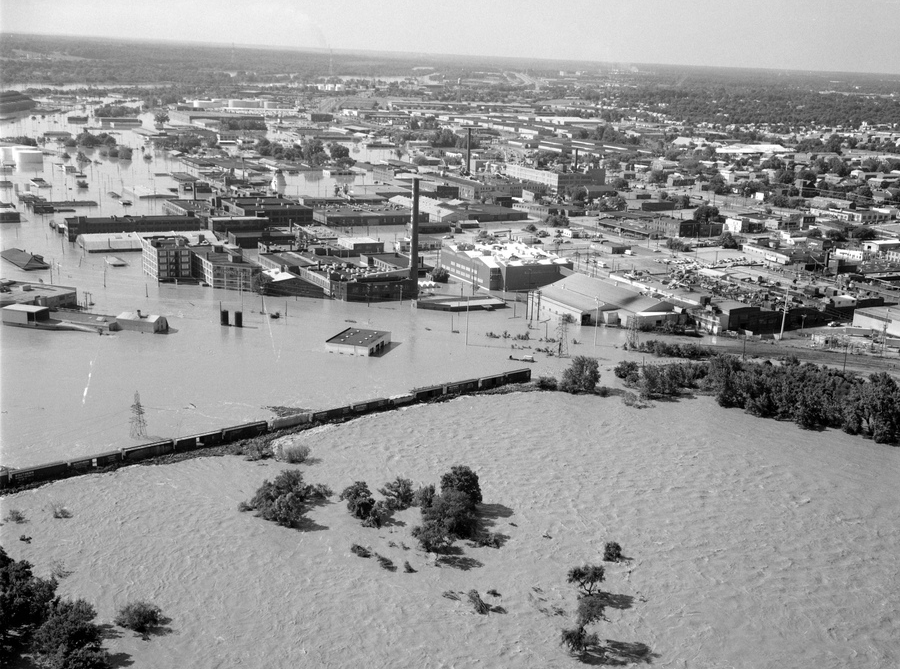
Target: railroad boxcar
{"x": 213, "y": 438}
{"x": 52, "y": 470}
{"x": 146, "y": 451}
{"x": 518, "y": 376}
{"x": 486, "y": 382}
{"x": 246, "y": 431}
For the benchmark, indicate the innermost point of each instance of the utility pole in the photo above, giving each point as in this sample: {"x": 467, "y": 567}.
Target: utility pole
{"x": 784, "y": 314}
{"x": 467, "y": 320}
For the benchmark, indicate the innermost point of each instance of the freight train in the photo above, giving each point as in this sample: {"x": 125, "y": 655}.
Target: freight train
{"x": 13, "y": 478}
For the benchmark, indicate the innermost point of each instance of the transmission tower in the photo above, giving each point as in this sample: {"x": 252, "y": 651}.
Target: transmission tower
{"x": 138, "y": 423}
{"x": 631, "y": 336}
{"x": 562, "y": 334}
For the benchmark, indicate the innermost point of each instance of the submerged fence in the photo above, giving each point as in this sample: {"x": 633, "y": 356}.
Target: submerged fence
{"x": 14, "y": 478}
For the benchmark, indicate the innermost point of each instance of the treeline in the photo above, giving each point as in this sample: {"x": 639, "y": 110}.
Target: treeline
{"x": 96, "y": 60}
{"x": 813, "y": 397}
{"x": 664, "y": 349}
{"x": 699, "y": 95}
{"x": 115, "y": 111}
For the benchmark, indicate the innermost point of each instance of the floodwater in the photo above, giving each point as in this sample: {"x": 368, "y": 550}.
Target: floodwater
{"x": 68, "y": 394}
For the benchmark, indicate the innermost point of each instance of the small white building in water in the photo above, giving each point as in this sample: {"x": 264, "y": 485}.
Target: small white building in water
{"x": 356, "y": 341}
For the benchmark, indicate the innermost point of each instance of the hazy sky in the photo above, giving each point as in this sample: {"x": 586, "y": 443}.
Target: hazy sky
{"x": 858, "y": 36}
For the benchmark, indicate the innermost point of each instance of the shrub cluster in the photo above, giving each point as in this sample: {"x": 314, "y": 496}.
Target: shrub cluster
{"x": 424, "y": 496}
{"x": 287, "y": 499}
{"x": 581, "y": 376}
{"x": 361, "y": 504}
{"x": 627, "y": 369}
{"x": 547, "y": 383}
{"x": 667, "y": 380}
{"x": 462, "y": 479}
{"x": 450, "y": 515}
{"x": 294, "y": 453}
{"x": 399, "y": 494}
{"x": 15, "y": 516}
{"x": 813, "y": 397}
{"x": 666, "y": 350}
{"x": 612, "y": 552}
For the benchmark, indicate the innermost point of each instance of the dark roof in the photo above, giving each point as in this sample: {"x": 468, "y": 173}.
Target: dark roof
{"x": 25, "y": 260}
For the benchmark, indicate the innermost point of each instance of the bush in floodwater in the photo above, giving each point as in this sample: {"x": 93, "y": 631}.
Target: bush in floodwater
{"x": 293, "y": 453}
{"x": 139, "y": 617}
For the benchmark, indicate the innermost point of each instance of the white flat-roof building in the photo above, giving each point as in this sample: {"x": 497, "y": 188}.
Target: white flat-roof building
{"x": 879, "y": 319}
{"x": 356, "y": 341}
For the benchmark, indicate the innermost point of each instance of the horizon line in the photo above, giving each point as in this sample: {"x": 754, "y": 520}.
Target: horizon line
{"x": 410, "y": 54}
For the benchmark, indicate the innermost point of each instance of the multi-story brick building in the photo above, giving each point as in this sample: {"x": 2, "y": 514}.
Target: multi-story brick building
{"x": 166, "y": 258}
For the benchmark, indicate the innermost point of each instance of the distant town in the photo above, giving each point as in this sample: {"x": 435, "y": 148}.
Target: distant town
{"x": 580, "y": 208}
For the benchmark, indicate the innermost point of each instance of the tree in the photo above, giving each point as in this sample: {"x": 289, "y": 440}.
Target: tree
{"x": 704, "y": 213}
{"x": 450, "y": 516}
{"x": 443, "y": 137}
{"x": 24, "y": 597}
{"x": 440, "y": 275}
{"x": 587, "y": 578}
{"x": 675, "y": 244}
{"x": 313, "y": 152}
{"x": 612, "y": 552}
{"x": 657, "y": 177}
{"x": 399, "y": 493}
{"x": 727, "y": 241}
{"x": 863, "y": 233}
{"x": 577, "y": 640}
{"x": 432, "y": 537}
{"x": 287, "y": 499}
{"x": 612, "y": 164}
{"x": 359, "y": 499}
{"x": 338, "y": 151}
{"x": 69, "y": 637}
{"x": 161, "y": 117}
{"x": 615, "y": 203}
{"x": 557, "y": 221}
{"x": 462, "y": 479}
{"x": 581, "y": 376}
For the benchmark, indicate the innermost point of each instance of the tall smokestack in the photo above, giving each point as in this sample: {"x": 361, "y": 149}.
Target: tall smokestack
{"x": 575, "y": 167}
{"x": 469, "y": 150}
{"x": 414, "y": 241}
